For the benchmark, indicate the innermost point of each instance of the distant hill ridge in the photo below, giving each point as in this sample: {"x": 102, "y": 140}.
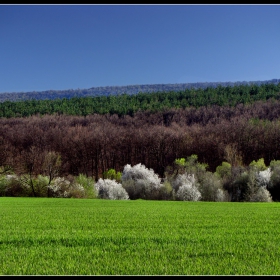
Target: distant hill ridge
{"x": 117, "y": 90}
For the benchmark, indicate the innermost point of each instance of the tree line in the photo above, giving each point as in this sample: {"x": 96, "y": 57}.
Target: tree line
{"x": 125, "y": 104}
{"x": 186, "y": 180}
{"x": 92, "y": 144}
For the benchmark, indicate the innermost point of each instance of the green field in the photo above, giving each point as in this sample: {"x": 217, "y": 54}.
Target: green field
{"x": 59, "y": 236}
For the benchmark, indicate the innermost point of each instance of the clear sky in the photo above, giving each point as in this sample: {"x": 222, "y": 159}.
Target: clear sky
{"x": 60, "y": 47}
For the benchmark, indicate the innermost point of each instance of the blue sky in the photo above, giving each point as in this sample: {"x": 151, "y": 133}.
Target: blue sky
{"x": 59, "y": 47}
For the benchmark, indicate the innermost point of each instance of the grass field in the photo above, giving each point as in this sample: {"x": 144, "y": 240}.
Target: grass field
{"x": 59, "y": 236}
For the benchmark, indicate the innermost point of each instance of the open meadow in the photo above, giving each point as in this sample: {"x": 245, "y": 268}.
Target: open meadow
{"x": 61, "y": 236}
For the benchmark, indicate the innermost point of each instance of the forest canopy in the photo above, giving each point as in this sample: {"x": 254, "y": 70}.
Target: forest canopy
{"x": 125, "y": 104}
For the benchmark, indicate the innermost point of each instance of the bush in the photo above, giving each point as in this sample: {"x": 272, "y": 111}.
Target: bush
{"x": 211, "y": 188}
{"x": 263, "y": 177}
{"x": 110, "y": 189}
{"x": 261, "y": 195}
{"x": 182, "y": 179}
{"x": 238, "y": 186}
{"x": 190, "y": 165}
{"x": 258, "y": 165}
{"x": 40, "y": 184}
{"x": 113, "y": 175}
{"x": 88, "y": 184}
{"x": 166, "y": 192}
{"x": 15, "y": 187}
{"x": 235, "y": 183}
{"x": 184, "y": 187}
{"x": 224, "y": 170}
{"x": 3, "y": 185}
{"x": 141, "y": 182}
{"x": 61, "y": 187}
{"x": 188, "y": 192}
{"x": 274, "y": 184}
{"x": 256, "y": 191}
{"x": 274, "y": 164}
{"x": 75, "y": 190}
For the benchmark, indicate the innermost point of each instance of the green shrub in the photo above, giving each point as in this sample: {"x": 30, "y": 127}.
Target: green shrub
{"x": 224, "y": 170}
{"x": 88, "y": 184}
{"x": 259, "y": 165}
{"x": 112, "y": 175}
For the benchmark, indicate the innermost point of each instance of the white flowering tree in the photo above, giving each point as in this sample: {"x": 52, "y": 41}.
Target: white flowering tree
{"x": 261, "y": 195}
{"x": 140, "y": 182}
{"x": 188, "y": 192}
{"x": 257, "y": 184}
{"x": 110, "y": 189}
{"x": 185, "y": 187}
{"x": 182, "y": 179}
{"x": 263, "y": 177}
{"x": 61, "y": 187}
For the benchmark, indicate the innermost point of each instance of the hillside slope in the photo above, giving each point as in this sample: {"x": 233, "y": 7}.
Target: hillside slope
{"x": 117, "y": 90}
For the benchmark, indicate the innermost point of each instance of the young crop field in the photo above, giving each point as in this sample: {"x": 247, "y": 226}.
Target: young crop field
{"x": 60, "y": 236}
